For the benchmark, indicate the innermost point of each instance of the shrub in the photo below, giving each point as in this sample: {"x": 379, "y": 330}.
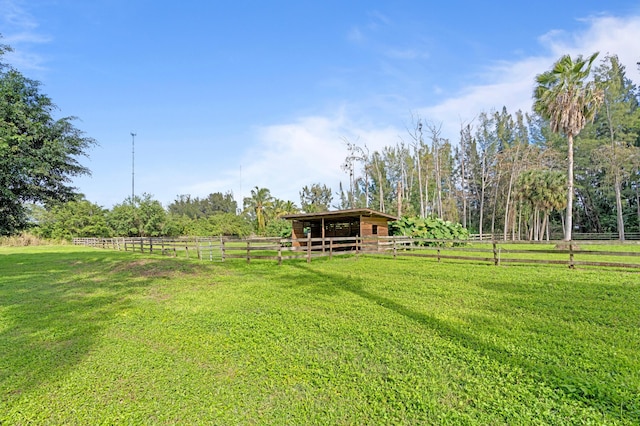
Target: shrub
{"x": 432, "y": 228}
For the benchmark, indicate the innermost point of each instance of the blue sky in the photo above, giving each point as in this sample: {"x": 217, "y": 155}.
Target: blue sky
{"x": 226, "y": 96}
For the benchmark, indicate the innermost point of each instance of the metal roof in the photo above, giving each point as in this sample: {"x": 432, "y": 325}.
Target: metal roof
{"x": 340, "y": 214}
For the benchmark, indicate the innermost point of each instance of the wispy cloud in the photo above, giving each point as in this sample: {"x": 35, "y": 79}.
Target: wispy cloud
{"x": 407, "y": 53}
{"x": 511, "y": 84}
{"x": 20, "y": 30}
{"x": 311, "y": 149}
{"x": 356, "y": 36}
{"x": 291, "y": 155}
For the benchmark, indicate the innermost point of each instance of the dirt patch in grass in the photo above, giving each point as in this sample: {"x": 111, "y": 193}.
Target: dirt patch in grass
{"x": 159, "y": 296}
{"x": 151, "y": 268}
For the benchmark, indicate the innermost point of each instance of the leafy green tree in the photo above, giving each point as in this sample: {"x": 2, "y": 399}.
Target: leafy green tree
{"x": 38, "y": 154}
{"x": 316, "y": 198}
{"x": 617, "y": 128}
{"x": 140, "y": 217}
{"x": 185, "y": 205}
{"x": 194, "y": 207}
{"x": 74, "y": 219}
{"x": 218, "y": 202}
{"x": 563, "y": 97}
{"x": 278, "y": 228}
{"x": 221, "y": 224}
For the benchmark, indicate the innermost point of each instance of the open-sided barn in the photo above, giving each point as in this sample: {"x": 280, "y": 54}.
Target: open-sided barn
{"x": 340, "y": 223}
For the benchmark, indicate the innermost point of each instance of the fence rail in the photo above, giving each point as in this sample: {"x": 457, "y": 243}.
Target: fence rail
{"x": 576, "y": 236}
{"x": 571, "y": 254}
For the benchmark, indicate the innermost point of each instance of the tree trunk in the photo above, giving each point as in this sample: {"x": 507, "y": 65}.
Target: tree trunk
{"x": 638, "y": 204}
{"x": 619, "y": 207}
{"x": 569, "y": 218}
{"x": 464, "y": 195}
{"x": 483, "y": 185}
{"x": 399, "y": 199}
{"x": 438, "y": 178}
{"x": 422, "y": 210}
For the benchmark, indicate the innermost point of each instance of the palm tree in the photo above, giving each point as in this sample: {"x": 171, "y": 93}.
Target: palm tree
{"x": 552, "y": 185}
{"x": 257, "y": 204}
{"x": 564, "y": 98}
{"x": 281, "y": 208}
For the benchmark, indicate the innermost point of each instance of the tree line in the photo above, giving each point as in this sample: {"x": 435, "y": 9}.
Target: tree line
{"x": 570, "y": 165}
{"x": 514, "y": 175}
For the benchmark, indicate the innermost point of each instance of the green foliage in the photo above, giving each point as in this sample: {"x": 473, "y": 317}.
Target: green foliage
{"x": 74, "y": 219}
{"x": 105, "y": 337}
{"x": 142, "y": 216}
{"x": 279, "y": 228}
{"x": 565, "y": 98}
{"x": 38, "y": 154}
{"x": 316, "y": 198}
{"x": 258, "y": 206}
{"x": 225, "y": 224}
{"x": 428, "y": 228}
{"x": 195, "y": 207}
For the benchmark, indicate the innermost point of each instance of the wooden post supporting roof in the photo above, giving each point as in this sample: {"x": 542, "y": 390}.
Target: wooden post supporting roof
{"x": 341, "y": 223}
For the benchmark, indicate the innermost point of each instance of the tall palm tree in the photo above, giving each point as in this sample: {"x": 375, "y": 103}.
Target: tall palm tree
{"x": 259, "y": 202}
{"x": 281, "y": 208}
{"x": 563, "y": 97}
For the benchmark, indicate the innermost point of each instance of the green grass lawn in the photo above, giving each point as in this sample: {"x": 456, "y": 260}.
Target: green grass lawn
{"x": 92, "y": 336}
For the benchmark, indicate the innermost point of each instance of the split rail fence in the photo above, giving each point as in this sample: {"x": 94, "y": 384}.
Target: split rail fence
{"x": 571, "y": 254}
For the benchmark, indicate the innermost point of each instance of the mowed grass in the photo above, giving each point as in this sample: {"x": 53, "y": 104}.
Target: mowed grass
{"x": 101, "y": 337}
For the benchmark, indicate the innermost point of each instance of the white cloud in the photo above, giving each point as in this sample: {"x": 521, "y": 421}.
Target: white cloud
{"x": 511, "y": 84}
{"x": 408, "y": 53}
{"x": 20, "y": 30}
{"x": 306, "y": 151}
{"x": 355, "y": 36}
{"x": 311, "y": 149}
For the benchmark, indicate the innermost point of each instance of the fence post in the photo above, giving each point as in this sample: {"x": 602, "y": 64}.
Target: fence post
{"x": 330, "y": 248}
{"x": 309, "y": 247}
{"x": 141, "y": 245}
{"x": 222, "y": 248}
{"x": 150, "y": 245}
{"x": 279, "y": 252}
{"x": 571, "y": 264}
{"x": 438, "y": 254}
{"x": 495, "y": 254}
{"x": 248, "y": 252}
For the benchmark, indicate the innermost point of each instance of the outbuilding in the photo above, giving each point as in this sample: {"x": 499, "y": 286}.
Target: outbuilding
{"x": 340, "y": 223}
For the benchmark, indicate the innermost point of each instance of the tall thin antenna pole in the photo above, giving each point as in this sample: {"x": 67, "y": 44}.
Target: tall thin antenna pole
{"x": 133, "y": 165}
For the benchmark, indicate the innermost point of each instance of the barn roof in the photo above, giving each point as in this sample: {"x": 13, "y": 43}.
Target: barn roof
{"x": 340, "y": 214}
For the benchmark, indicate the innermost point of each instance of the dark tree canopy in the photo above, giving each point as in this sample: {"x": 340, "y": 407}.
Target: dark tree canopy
{"x": 38, "y": 153}
{"x": 315, "y": 198}
{"x": 194, "y": 207}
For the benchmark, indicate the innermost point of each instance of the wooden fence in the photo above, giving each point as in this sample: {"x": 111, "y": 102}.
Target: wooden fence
{"x": 577, "y": 236}
{"x": 571, "y": 254}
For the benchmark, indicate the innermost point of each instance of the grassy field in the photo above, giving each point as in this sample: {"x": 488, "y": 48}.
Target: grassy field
{"x": 101, "y": 337}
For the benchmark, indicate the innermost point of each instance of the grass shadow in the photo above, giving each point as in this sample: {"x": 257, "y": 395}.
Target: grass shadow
{"x": 54, "y": 304}
{"x": 580, "y": 387}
